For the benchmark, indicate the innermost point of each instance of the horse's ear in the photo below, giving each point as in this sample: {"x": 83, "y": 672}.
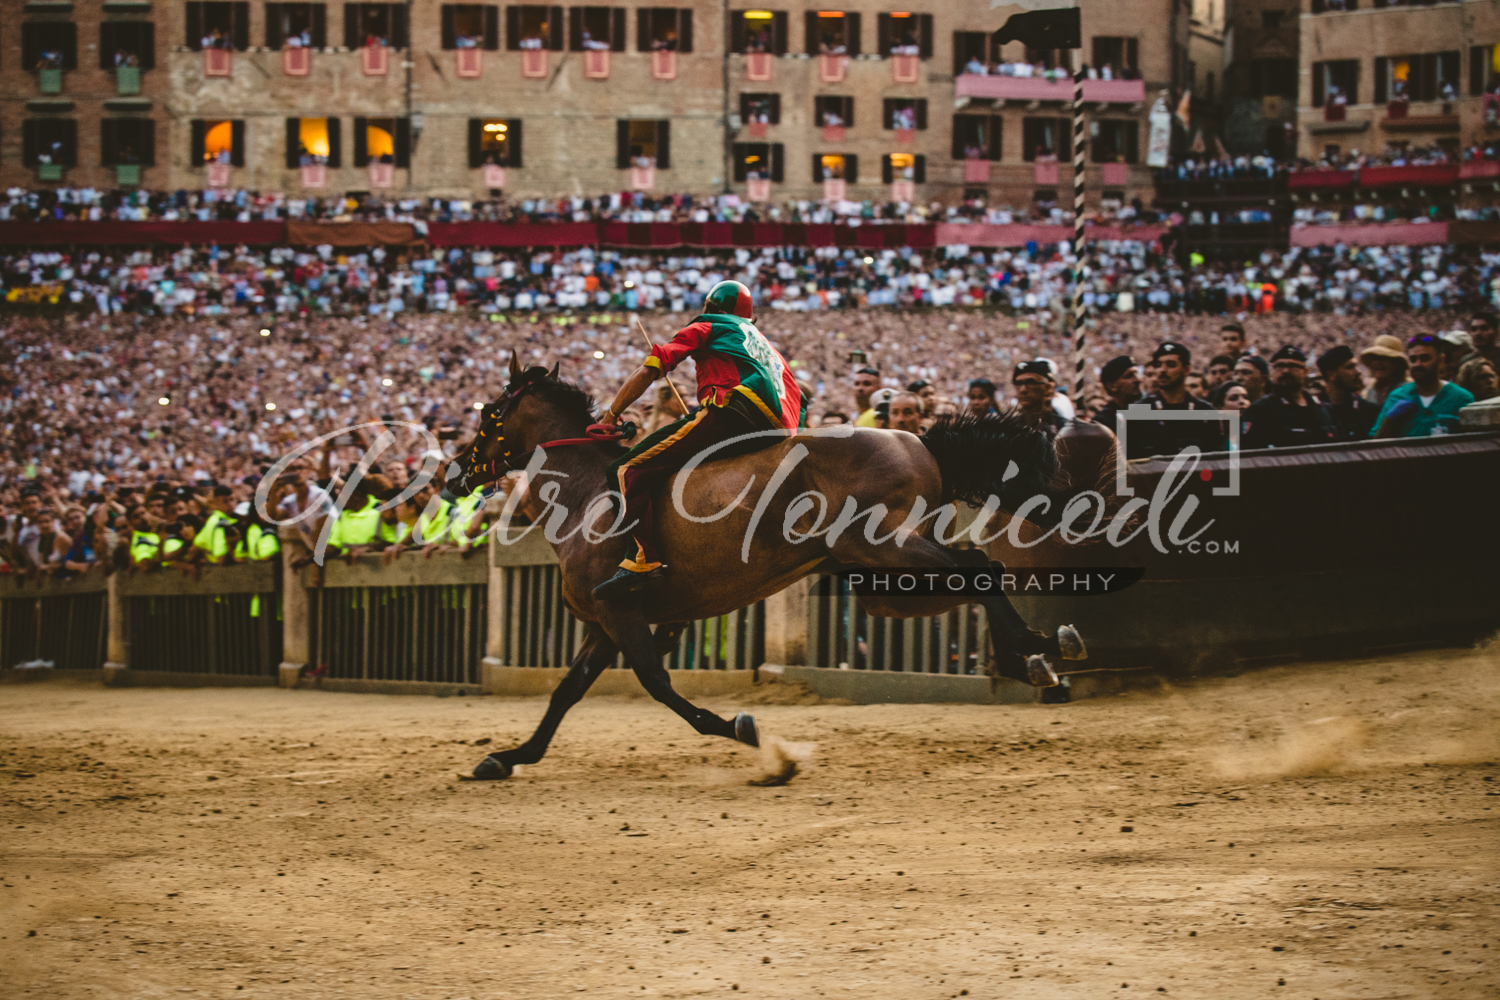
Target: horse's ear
{"x": 553, "y": 373}
{"x": 515, "y": 365}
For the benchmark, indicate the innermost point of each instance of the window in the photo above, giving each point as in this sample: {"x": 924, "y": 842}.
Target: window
{"x": 382, "y": 140}
{"x": 1266, "y": 78}
{"x": 217, "y": 141}
{"x": 833, "y": 111}
{"x": 1484, "y": 69}
{"x": 127, "y": 43}
{"x": 1324, "y": 6}
{"x": 763, "y": 108}
{"x": 127, "y": 142}
{"x": 494, "y": 141}
{"x": 835, "y": 167}
{"x": 976, "y": 137}
{"x": 905, "y": 113}
{"x": 49, "y": 45}
{"x": 643, "y": 142}
{"x": 832, "y": 33}
{"x": 216, "y": 25}
{"x": 1429, "y": 77}
{"x": 754, "y": 31}
{"x": 312, "y": 141}
{"x": 904, "y": 34}
{"x": 596, "y": 29}
{"x": 299, "y": 25}
{"x": 49, "y": 140}
{"x": 1270, "y": 20}
{"x": 903, "y": 167}
{"x": 1121, "y": 56}
{"x": 471, "y": 26}
{"x": 971, "y": 47}
{"x": 1334, "y": 80}
{"x": 1115, "y": 141}
{"x": 664, "y": 29}
{"x": 1043, "y": 138}
{"x": 534, "y": 27}
{"x": 375, "y": 24}
{"x": 759, "y": 161}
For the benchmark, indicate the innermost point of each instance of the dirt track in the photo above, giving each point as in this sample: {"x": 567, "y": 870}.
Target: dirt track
{"x": 302, "y": 844}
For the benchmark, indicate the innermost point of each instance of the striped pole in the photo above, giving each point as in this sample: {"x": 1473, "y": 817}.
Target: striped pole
{"x": 1078, "y": 271}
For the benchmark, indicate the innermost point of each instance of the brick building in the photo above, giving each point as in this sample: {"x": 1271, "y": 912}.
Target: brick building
{"x": 454, "y": 99}
{"x": 1375, "y": 75}
{"x": 1260, "y": 56}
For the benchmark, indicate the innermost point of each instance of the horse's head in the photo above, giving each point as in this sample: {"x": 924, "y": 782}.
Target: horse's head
{"x": 535, "y": 406}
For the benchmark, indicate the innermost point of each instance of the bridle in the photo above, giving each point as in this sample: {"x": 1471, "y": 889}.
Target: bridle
{"x": 492, "y": 425}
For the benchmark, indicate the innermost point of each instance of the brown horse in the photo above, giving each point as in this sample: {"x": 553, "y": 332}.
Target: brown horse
{"x": 717, "y": 566}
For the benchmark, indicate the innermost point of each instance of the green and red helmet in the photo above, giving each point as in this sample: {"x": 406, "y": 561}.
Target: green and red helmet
{"x": 729, "y": 297}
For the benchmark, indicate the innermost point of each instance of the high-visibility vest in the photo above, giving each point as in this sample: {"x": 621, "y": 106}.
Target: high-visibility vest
{"x": 258, "y": 544}
{"x": 356, "y": 527}
{"x": 392, "y": 532}
{"x": 213, "y": 538}
{"x": 430, "y": 532}
{"x": 463, "y": 513}
{"x": 144, "y": 546}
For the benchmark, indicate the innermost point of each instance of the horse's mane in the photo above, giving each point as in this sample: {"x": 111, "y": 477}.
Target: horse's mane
{"x": 567, "y": 396}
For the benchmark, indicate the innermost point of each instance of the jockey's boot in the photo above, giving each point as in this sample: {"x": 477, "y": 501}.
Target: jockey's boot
{"x": 626, "y": 582}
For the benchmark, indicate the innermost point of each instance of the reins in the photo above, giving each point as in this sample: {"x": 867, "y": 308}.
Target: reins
{"x": 494, "y": 420}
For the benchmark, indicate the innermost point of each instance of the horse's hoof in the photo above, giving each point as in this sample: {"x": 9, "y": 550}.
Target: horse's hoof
{"x": 745, "y": 731}
{"x": 490, "y": 769}
{"x": 1070, "y": 643}
{"x": 1039, "y": 672}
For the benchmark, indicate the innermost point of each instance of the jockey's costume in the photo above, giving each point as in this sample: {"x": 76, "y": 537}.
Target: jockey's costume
{"x": 744, "y": 387}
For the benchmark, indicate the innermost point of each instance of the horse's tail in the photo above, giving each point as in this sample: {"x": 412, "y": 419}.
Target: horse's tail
{"x": 975, "y": 456}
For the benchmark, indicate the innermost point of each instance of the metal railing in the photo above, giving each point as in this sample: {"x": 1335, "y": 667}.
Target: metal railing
{"x": 60, "y": 621}
{"x": 841, "y": 634}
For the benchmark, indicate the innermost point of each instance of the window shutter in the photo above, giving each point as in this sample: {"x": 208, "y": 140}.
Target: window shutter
{"x": 491, "y": 28}
{"x": 778, "y": 168}
{"x": 31, "y": 141}
{"x": 1319, "y": 84}
{"x": 513, "y": 142}
{"x": 775, "y": 109}
{"x": 851, "y": 30}
{"x": 851, "y": 169}
{"x": 194, "y": 25}
{"x": 242, "y": 25}
{"x": 617, "y": 29}
{"x": 996, "y": 124}
{"x": 739, "y": 153}
{"x": 737, "y": 32}
{"x": 275, "y": 36}
{"x": 1477, "y": 55}
{"x": 351, "y": 26}
{"x": 294, "y": 142}
{"x": 361, "y": 142}
{"x": 403, "y": 142}
{"x": 146, "y": 150}
{"x": 960, "y": 134}
{"x": 779, "y": 31}
{"x": 109, "y": 142}
{"x": 450, "y": 31}
{"x": 1132, "y": 141}
{"x": 236, "y": 144}
{"x": 921, "y": 114}
{"x": 643, "y": 29}
{"x": 513, "y": 29}
{"x": 554, "y": 29}
{"x": 1132, "y": 53}
{"x": 107, "y": 45}
{"x": 335, "y": 144}
{"x": 400, "y": 33}
{"x": 684, "y": 29}
{"x": 888, "y": 111}
{"x": 197, "y": 141}
{"x": 887, "y": 172}
{"x": 476, "y": 142}
{"x": 146, "y": 42}
{"x": 1382, "y": 73}
{"x": 812, "y": 32}
{"x": 924, "y": 35}
{"x": 664, "y": 145}
{"x": 920, "y": 169}
{"x": 575, "y": 29}
{"x": 958, "y": 52}
{"x": 883, "y": 35}
{"x": 320, "y": 25}
{"x": 1354, "y": 85}
{"x": 622, "y": 144}
{"x": 817, "y": 165}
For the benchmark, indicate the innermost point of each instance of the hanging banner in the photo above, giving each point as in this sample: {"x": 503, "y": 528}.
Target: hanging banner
{"x": 1159, "y": 145}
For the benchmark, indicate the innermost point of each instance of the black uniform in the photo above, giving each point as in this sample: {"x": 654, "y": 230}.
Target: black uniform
{"x": 1275, "y": 422}
{"x": 1106, "y": 417}
{"x": 1354, "y": 418}
{"x": 1146, "y": 437}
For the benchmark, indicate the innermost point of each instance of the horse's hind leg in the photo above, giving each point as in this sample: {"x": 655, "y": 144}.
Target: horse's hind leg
{"x": 643, "y": 654}
{"x": 596, "y": 654}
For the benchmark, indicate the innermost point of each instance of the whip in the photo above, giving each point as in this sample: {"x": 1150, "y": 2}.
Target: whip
{"x": 649, "y": 344}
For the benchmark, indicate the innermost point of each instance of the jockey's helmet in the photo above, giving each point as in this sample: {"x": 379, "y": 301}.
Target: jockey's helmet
{"x": 729, "y": 297}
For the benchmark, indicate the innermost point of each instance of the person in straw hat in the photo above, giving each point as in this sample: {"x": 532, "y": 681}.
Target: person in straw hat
{"x": 1387, "y": 363}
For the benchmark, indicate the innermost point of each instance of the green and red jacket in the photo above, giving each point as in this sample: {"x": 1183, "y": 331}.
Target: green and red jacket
{"x": 733, "y": 356}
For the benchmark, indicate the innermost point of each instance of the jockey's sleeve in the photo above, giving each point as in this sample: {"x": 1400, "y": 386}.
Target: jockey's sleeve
{"x": 665, "y": 357}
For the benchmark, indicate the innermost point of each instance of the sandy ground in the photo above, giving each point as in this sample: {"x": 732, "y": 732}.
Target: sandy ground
{"x": 1305, "y": 831}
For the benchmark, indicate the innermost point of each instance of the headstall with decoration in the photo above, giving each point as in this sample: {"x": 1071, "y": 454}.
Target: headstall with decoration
{"x": 492, "y": 424}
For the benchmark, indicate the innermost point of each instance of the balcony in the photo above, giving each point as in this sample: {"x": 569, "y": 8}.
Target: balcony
{"x": 127, "y": 80}
{"x": 1020, "y": 88}
{"x": 49, "y": 81}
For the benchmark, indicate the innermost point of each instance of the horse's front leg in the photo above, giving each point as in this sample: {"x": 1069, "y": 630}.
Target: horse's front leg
{"x": 596, "y": 654}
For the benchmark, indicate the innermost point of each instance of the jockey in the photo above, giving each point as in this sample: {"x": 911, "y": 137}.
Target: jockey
{"x": 744, "y": 386}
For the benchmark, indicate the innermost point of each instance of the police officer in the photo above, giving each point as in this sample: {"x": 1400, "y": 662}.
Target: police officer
{"x": 1146, "y": 437}
{"x": 1343, "y": 391}
{"x": 214, "y": 540}
{"x": 1122, "y": 383}
{"x": 1288, "y": 415}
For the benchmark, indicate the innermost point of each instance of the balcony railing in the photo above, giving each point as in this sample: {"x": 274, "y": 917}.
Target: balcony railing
{"x": 1019, "y": 88}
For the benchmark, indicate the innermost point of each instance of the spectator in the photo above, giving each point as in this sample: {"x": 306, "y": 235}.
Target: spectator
{"x": 1427, "y": 404}
{"x": 357, "y": 527}
{"x": 1342, "y": 387}
{"x": 1254, "y": 374}
{"x": 216, "y": 540}
{"x": 1123, "y": 384}
{"x": 928, "y": 394}
{"x": 144, "y": 547}
{"x": 1195, "y": 386}
{"x": 880, "y": 401}
{"x": 1387, "y": 364}
{"x": 1034, "y": 391}
{"x": 1220, "y": 370}
{"x": 834, "y": 419}
{"x": 1232, "y": 341}
{"x": 866, "y": 381}
{"x": 906, "y": 413}
{"x": 1483, "y": 327}
{"x": 982, "y": 399}
{"x": 1288, "y": 415}
{"x": 1477, "y": 376}
{"x": 79, "y": 557}
{"x": 1233, "y": 396}
{"x": 1168, "y": 438}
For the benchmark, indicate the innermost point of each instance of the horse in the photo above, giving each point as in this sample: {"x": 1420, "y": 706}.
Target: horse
{"x": 717, "y": 566}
